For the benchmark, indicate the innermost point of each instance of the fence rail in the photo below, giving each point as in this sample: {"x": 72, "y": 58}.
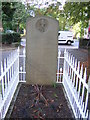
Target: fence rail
{"x": 69, "y": 72}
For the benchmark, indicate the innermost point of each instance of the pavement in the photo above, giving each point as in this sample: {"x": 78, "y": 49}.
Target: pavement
{"x": 80, "y": 54}
{"x": 6, "y": 47}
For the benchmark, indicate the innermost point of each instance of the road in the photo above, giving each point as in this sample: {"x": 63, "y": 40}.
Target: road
{"x": 5, "y": 53}
{"x": 74, "y": 45}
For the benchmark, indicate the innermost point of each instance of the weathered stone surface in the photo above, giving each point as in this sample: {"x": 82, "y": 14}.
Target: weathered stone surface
{"x": 41, "y": 50}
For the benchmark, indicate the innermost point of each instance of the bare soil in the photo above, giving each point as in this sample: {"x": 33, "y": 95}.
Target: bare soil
{"x": 27, "y": 106}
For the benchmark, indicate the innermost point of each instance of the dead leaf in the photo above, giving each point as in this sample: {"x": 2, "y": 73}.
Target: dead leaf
{"x": 32, "y": 105}
{"x": 52, "y": 100}
{"x": 35, "y": 116}
{"x": 35, "y": 111}
{"x": 57, "y": 110}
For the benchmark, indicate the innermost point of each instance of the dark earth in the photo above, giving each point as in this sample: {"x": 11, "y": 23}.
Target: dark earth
{"x": 54, "y": 105}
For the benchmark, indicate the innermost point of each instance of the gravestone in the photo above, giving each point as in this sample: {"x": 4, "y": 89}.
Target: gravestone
{"x": 41, "y": 50}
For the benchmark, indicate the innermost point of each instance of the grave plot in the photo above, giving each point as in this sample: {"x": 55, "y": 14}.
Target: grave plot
{"x": 50, "y": 104}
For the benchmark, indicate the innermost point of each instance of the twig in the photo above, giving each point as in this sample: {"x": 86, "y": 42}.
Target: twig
{"x": 39, "y": 93}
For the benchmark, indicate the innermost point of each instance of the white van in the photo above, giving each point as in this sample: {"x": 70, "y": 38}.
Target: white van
{"x": 65, "y": 37}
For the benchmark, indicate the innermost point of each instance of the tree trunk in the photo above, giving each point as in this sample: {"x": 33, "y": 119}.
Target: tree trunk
{"x": 18, "y": 27}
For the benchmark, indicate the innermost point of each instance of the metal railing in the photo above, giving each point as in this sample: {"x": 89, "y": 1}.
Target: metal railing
{"x": 76, "y": 85}
{"x": 9, "y": 80}
{"x": 69, "y": 73}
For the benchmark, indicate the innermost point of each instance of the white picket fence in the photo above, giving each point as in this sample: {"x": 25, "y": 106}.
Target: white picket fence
{"x": 71, "y": 75}
{"x": 9, "y": 80}
{"x": 76, "y": 85}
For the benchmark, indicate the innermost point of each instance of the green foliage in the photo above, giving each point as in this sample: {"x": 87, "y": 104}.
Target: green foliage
{"x": 7, "y": 14}
{"x": 16, "y": 37}
{"x": 19, "y": 17}
{"x": 54, "y": 84}
{"x": 0, "y": 11}
{"x": 55, "y": 95}
{"x": 8, "y": 10}
{"x": 78, "y": 12}
{"x": 9, "y": 38}
{"x": 54, "y": 12}
{"x": 77, "y": 30}
{"x": 13, "y": 15}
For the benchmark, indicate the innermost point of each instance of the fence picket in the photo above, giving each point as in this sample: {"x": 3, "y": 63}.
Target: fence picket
{"x": 21, "y": 73}
{"x": 77, "y": 83}
{"x": 8, "y": 71}
{"x": 72, "y": 59}
{"x": 2, "y": 81}
{"x": 71, "y": 68}
{"x": 85, "y": 75}
{"x": 76, "y": 64}
{"x": 79, "y": 89}
{"x": 74, "y": 80}
{"x": 59, "y": 53}
{"x": 89, "y": 84}
{"x": 81, "y": 71}
{"x": 5, "y": 75}
{"x": 83, "y": 90}
{"x": 78, "y": 68}
{"x": 86, "y": 103}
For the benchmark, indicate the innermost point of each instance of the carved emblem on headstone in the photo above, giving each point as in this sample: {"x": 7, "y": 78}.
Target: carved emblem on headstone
{"x": 42, "y": 25}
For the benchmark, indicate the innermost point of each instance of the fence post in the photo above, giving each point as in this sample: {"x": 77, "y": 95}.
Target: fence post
{"x": 89, "y": 93}
{"x": 24, "y": 52}
{"x": 5, "y": 82}
{"x": 21, "y": 73}
{"x": 64, "y": 65}
{"x": 18, "y": 50}
{"x": 2, "y": 82}
{"x": 59, "y": 53}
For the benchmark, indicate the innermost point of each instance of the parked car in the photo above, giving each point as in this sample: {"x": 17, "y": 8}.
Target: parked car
{"x": 9, "y": 31}
{"x": 65, "y": 37}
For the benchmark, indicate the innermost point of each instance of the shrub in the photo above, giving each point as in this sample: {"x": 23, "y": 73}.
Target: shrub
{"x": 83, "y": 42}
{"x": 16, "y": 37}
{"x": 0, "y": 38}
{"x": 10, "y": 38}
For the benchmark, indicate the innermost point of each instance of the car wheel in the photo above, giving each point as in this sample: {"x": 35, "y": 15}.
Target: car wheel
{"x": 69, "y": 42}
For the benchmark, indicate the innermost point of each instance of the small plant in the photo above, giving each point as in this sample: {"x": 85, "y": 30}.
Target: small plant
{"x": 55, "y": 95}
{"x": 54, "y": 84}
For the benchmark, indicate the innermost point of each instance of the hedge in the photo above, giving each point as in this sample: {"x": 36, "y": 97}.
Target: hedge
{"x": 83, "y": 42}
{"x": 10, "y": 38}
